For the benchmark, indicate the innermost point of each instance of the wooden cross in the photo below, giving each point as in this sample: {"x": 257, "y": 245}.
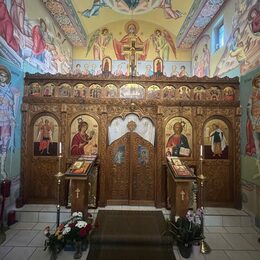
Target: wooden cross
{"x": 77, "y": 192}
{"x": 132, "y": 50}
{"x": 182, "y": 195}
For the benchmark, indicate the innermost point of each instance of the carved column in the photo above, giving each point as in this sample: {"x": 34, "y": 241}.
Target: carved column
{"x": 159, "y": 184}
{"x": 237, "y": 164}
{"x": 22, "y": 196}
{"x": 102, "y": 155}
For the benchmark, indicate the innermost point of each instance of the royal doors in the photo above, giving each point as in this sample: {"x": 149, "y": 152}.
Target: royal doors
{"x": 131, "y": 162}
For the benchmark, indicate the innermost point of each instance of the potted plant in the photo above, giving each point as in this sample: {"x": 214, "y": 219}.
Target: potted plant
{"x": 186, "y": 231}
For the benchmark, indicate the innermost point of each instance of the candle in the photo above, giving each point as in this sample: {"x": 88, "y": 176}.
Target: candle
{"x": 60, "y": 148}
{"x": 201, "y": 151}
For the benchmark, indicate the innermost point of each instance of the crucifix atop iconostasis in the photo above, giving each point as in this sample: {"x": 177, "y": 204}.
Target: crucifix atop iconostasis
{"x": 132, "y": 51}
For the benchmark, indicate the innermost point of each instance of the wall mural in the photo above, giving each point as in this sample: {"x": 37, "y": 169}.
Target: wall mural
{"x": 121, "y": 68}
{"x": 98, "y": 42}
{"x": 216, "y": 136}
{"x": 252, "y": 147}
{"x": 160, "y": 43}
{"x": 128, "y": 53}
{"x": 10, "y": 119}
{"x": 178, "y": 137}
{"x": 196, "y": 22}
{"x": 84, "y": 136}
{"x": 130, "y": 7}
{"x": 34, "y": 41}
{"x": 244, "y": 41}
{"x": 201, "y": 57}
{"x": 250, "y": 142}
{"x": 45, "y": 140}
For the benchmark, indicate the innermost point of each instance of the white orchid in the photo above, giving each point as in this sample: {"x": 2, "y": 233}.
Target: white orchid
{"x": 77, "y": 214}
{"x": 81, "y": 224}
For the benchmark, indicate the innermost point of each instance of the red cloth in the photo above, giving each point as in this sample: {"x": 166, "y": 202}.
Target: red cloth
{"x": 126, "y": 41}
{"x": 7, "y": 28}
{"x": 38, "y": 41}
{"x": 250, "y": 145}
{"x": 256, "y": 23}
{"x": 173, "y": 140}
{"x": 76, "y": 141}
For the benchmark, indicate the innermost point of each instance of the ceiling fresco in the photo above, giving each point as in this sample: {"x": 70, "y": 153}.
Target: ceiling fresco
{"x": 78, "y": 19}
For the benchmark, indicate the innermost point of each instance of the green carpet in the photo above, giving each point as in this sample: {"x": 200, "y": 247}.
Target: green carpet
{"x": 123, "y": 235}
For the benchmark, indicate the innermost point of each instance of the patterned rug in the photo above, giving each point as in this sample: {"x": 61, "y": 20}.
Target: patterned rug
{"x": 123, "y": 235}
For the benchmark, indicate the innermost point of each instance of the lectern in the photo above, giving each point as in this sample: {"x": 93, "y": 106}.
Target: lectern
{"x": 180, "y": 180}
{"x": 78, "y": 175}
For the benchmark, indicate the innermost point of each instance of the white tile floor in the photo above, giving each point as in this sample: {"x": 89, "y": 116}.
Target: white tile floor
{"x": 228, "y": 232}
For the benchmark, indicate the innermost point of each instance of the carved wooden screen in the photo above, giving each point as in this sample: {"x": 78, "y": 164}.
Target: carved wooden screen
{"x": 152, "y": 103}
{"x": 130, "y": 171}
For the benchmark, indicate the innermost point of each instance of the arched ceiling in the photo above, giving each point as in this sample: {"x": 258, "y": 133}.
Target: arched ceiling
{"x": 184, "y": 19}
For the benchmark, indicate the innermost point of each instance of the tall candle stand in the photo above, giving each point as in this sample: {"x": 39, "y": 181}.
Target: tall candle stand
{"x": 59, "y": 177}
{"x": 204, "y": 247}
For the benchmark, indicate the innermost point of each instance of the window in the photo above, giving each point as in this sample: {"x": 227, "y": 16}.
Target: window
{"x": 219, "y": 35}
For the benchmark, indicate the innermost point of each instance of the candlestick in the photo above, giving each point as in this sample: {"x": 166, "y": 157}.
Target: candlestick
{"x": 60, "y": 148}
{"x": 59, "y": 177}
{"x": 204, "y": 247}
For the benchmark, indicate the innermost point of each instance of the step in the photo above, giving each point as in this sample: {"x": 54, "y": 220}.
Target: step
{"x": 227, "y": 217}
{"x": 41, "y": 213}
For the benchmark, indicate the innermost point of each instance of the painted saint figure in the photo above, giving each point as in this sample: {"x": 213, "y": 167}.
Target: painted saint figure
{"x": 94, "y": 10}
{"x": 99, "y": 40}
{"x": 40, "y": 39}
{"x": 131, "y": 40}
{"x": 254, "y": 110}
{"x": 206, "y": 60}
{"x": 7, "y": 119}
{"x": 169, "y": 12}
{"x": 177, "y": 140}
{"x": 163, "y": 43}
{"x": 45, "y": 136}
{"x": 81, "y": 139}
{"x": 254, "y": 19}
{"x": 148, "y": 71}
{"x": 7, "y": 27}
{"x": 218, "y": 140}
{"x": 183, "y": 72}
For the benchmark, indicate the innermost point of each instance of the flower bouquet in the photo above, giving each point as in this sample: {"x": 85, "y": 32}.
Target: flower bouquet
{"x": 74, "y": 233}
{"x": 76, "y": 229}
{"x": 54, "y": 242}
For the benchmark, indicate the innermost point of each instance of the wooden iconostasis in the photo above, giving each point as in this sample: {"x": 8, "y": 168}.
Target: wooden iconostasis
{"x": 132, "y": 124}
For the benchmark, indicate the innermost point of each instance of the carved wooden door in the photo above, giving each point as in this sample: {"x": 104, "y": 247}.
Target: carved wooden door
{"x": 131, "y": 171}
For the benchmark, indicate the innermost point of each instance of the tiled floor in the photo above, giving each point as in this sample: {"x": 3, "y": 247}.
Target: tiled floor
{"x": 228, "y": 232}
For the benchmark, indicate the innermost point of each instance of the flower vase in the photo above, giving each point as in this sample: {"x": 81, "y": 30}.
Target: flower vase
{"x": 196, "y": 249}
{"x": 78, "y": 248}
{"x": 185, "y": 249}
